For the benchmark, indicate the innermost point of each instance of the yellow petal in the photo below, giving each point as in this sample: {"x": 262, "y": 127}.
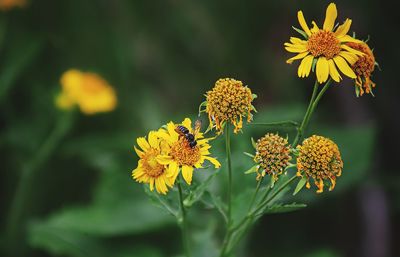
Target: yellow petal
{"x": 303, "y": 23}
{"x": 315, "y": 27}
{"x": 299, "y": 56}
{"x": 187, "y": 123}
{"x": 295, "y": 50}
{"x": 348, "y": 48}
{"x": 322, "y": 71}
{"x": 141, "y": 141}
{"x": 214, "y": 161}
{"x": 164, "y": 159}
{"x": 138, "y": 152}
{"x": 351, "y": 58}
{"x": 344, "y": 67}
{"x": 153, "y": 139}
{"x": 347, "y": 38}
{"x": 187, "y": 173}
{"x": 343, "y": 29}
{"x": 330, "y": 17}
{"x": 305, "y": 66}
{"x": 151, "y": 183}
{"x": 295, "y": 40}
{"x": 333, "y": 71}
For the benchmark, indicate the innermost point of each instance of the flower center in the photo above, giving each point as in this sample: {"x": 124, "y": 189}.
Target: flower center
{"x": 183, "y": 154}
{"x": 324, "y": 43}
{"x": 365, "y": 64}
{"x": 150, "y": 164}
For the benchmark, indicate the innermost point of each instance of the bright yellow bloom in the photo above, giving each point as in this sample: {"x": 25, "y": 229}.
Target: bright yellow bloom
{"x": 319, "y": 159}
{"x": 6, "y": 5}
{"x": 149, "y": 170}
{"x": 229, "y": 101}
{"x": 324, "y": 49}
{"x": 182, "y": 156}
{"x": 87, "y": 90}
{"x": 363, "y": 68}
{"x": 273, "y": 155}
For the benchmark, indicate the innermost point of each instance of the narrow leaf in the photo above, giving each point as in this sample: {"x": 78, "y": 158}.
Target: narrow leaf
{"x": 300, "y": 185}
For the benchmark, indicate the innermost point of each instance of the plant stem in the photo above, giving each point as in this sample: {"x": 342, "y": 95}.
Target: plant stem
{"x": 255, "y": 193}
{"x": 229, "y": 160}
{"x": 303, "y": 123}
{"x": 24, "y": 185}
{"x": 184, "y": 227}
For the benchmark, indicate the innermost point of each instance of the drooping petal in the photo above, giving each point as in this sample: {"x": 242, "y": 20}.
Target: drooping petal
{"x": 303, "y": 23}
{"x": 315, "y": 27}
{"x": 343, "y": 29}
{"x": 187, "y": 173}
{"x": 142, "y": 142}
{"x": 214, "y": 161}
{"x": 330, "y": 18}
{"x": 322, "y": 69}
{"x": 333, "y": 71}
{"x": 299, "y": 56}
{"x": 344, "y": 67}
{"x": 305, "y": 66}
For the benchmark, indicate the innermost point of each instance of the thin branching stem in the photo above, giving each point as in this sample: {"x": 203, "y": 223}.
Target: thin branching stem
{"x": 183, "y": 221}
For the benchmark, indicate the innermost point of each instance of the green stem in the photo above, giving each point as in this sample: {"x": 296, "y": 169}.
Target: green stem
{"x": 286, "y": 123}
{"x": 255, "y": 193}
{"x": 229, "y": 160}
{"x": 184, "y": 227}
{"x": 303, "y": 123}
{"x": 21, "y": 197}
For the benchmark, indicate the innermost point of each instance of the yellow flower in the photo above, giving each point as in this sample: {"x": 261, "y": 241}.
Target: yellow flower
{"x": 229, "y": 101}
{"x": 325, "y": 49}
{"x": 363, "y": 68}
{"x": 149, "y": 170}
{"x": 87, "y": 90}
{"x": 319, "y": 158}
{"x": 182, "y": 156}
{"x": 273, "y": 155}
{"x": 6, "y": 5}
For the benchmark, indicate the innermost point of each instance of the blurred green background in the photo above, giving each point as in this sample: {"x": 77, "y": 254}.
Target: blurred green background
{"x": 162, "y": 56}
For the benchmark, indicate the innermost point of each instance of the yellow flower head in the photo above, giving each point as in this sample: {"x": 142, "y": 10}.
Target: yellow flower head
{"x": 87, "y": 90}
{"x": 149, "y": 170}
{"x": 319, "y": 158}
{"x": 229, "y": 101}
{"x": 6, "y": 5}
{"x": 363, "y": 68}
{"x": 273, "y": 154}
{"x": 324, "y": 49}
{"x": 181, "y": 154}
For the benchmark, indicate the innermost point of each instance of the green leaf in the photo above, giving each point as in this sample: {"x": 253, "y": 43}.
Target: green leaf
{"x": 301, "y": 32}
{"x": 253, "y": 143}
{"x": 300, "y": 185}
{"x": 160, "y": 202}
{"x": 283, "y": 208}
{"x": 248, "y": 154}
{"x": 253, "y": 169}
{"x": 288, "y": 123}
{"x": 203, "y": 104}
{"x": 215, "y": 202}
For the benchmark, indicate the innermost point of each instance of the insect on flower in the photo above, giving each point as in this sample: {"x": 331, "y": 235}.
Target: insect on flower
{"x": 184, "y": 132}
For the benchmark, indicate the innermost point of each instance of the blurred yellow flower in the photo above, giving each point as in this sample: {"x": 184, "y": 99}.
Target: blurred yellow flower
{"x": 229, "y": 101}
{"x": 149, "y": 170}
{"x": 319, "y": 159}
{"x": 325, "y": 49}
{"x": 88, "y": 90}
{"x": 182, "y": 155}
{"x": 6, "y": 5}
{"x": 363, "y": 68}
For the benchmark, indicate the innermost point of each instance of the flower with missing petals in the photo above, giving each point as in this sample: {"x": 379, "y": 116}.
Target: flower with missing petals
{"x": 319, "y": 159}
{"x": 272, "y": 154}
{"x": 229, "y": 101}
{"x": 363, "y": 68}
